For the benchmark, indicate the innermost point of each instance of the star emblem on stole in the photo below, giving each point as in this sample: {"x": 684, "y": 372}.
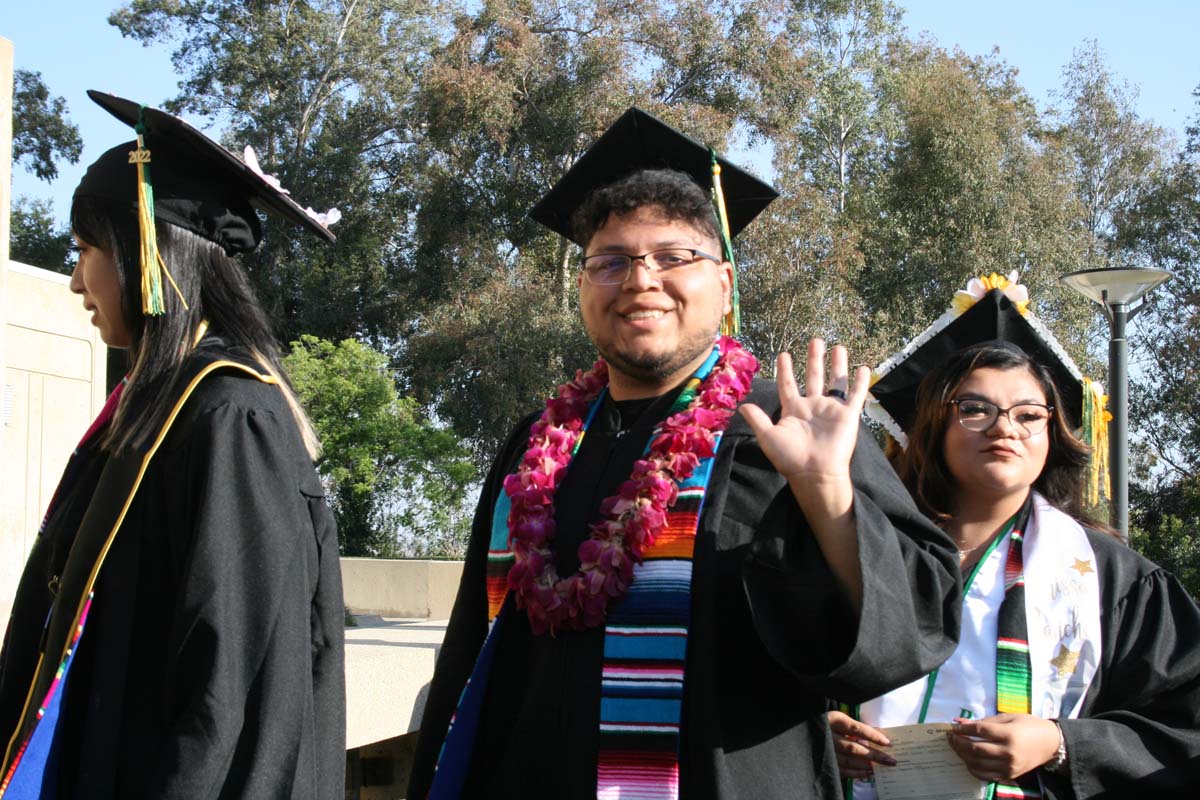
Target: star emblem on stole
{"x": 1065, "y": 661}
{"x": 1082, "y": 567}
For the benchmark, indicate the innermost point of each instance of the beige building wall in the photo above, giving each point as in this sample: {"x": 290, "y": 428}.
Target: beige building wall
{"x": 54, "y": 369}
{"x": 6, "y": 128}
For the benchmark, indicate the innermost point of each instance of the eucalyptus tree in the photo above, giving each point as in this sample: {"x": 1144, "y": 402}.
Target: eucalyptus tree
{"x": 43, "y": 134}
{"x": 506, "y": 106}
{"x": 37, "y": 239}
{"x": 1162, "y": 229}
{"x": 971, "y": 185}
{"x": 397, "y": 482}
{"x": 321, "y": 89}
{"x": 1114, "y": 153}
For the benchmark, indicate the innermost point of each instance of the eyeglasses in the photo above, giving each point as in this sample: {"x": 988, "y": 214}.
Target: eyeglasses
{"x": 1029, "y": 419}
{"x": 611, "y": 269}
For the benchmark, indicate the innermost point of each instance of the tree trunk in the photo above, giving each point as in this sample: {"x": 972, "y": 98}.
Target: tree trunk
{"x": 564, "y": 268}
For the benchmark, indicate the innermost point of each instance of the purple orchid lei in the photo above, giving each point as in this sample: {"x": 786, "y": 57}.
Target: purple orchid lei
{"x": 631, "y": 519}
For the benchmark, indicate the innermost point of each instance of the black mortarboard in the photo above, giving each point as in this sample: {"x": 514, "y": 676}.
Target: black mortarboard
{"x": 198, "y": 185}
{"x": 640, "y": 141}
{"x": 994, "y": 316}
{"x": 993, "y": 307}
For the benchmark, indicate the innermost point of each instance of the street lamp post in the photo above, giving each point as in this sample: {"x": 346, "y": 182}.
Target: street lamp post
{"x": 1116, "y": 290}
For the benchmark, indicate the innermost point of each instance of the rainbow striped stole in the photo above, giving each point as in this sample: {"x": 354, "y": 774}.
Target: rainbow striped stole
{"x": 1014, "y": 675}
{"x": 499, "y": 558}
{"x": 645, "y": 648}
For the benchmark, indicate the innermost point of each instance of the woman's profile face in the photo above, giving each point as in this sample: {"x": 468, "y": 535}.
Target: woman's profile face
{"x": 1004, "y": 459}
{"x": 95, "y": 280}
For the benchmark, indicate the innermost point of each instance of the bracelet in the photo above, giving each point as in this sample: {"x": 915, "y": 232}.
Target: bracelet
{"x": 1059, "y": 762}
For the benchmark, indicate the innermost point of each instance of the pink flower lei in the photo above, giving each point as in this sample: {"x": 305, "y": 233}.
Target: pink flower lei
{"x": 631, "y": 519}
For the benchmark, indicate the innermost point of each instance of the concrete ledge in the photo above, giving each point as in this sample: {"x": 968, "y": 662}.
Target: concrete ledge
{"x": 401, "y": 587}
{"x": 400, "y": 609}
{"x": 389, "y": 663}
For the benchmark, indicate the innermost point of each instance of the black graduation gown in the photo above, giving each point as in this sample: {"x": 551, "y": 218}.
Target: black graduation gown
{"x": 212, "y": 664}
{"x": 1138, "y": 732}
{"x": 771, "y": 637}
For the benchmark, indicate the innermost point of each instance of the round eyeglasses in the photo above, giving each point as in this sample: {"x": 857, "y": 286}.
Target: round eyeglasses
{"x": 611, "y": 269}
{"x": 1029, "y": 419}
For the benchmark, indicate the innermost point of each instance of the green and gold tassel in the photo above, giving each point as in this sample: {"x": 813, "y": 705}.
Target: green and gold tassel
{"x": 151, "y": 260}
{"x": 732, "y": 322}
{"x": 152, "y": 298}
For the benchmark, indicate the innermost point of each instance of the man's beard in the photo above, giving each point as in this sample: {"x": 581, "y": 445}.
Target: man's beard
{"x": 654, "y": 368}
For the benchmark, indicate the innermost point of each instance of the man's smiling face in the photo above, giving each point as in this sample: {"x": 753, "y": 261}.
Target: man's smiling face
{"x": 654, "y": 333}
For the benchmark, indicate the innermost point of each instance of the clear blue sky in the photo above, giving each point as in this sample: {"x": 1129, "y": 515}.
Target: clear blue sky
{"x": 1151, "y": 43}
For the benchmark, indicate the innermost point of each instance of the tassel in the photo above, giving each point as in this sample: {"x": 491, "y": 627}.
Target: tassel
{"x": 163, "y": 265}
{"x": 152, "y": 297}
{"x": 1095, "y": 432}
{"x": 151, "y": 259}
{"x": 731, "y": 324}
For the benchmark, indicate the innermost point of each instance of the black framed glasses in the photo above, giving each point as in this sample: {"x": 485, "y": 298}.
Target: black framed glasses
{"x": 1029, "y": 419}
{"x": 611, "y": 269}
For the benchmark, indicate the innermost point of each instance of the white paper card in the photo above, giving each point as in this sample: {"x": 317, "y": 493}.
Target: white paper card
{"x": 926, "y": 767}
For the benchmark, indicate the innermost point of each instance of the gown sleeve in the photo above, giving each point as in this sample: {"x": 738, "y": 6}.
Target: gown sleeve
{"x": 254, "y": 649}
{"x": 911, "y": 588}
{"x": 1139, "y": 730}
{"x": 468, "y": 625}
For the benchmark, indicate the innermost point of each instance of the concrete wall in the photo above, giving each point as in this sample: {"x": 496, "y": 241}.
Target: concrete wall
{"x": 400, "y": 610}
{"x": 400, "y": 588}
{"x": 52, "y": 369}
{"x": 6, "y": 128}
{"x": 53, "y": 387}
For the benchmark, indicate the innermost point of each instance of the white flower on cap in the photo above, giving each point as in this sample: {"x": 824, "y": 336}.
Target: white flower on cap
{"x": 252, "y": 162}
{"x": 326, "y": 219}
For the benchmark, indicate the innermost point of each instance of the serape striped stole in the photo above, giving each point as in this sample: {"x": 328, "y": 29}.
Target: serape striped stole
{"x": 1014, "y": 675}
{"x": 645, "y": 649}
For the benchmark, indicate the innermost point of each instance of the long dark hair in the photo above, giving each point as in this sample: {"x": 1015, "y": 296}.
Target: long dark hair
{"x": 217, "y": 291}
{"x": 922, "y": 464}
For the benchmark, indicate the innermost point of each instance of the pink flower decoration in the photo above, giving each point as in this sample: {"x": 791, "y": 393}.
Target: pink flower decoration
{"x": 632, "y": 518}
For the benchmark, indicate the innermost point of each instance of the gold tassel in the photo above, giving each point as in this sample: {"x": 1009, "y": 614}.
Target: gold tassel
{"x": 1095, "y": 432}
{"x": 151, "y": 259}
{"x": 163, "y": 265}
{"x": 152, "y": 298}
{"x": 731, "y": 323}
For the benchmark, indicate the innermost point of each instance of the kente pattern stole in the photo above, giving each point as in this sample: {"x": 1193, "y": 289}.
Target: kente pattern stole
{"x": 645, "y": 649}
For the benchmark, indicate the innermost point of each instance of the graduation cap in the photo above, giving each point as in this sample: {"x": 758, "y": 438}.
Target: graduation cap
{"x": 637, "y": 141}
{"x": 175, "y": 174}
{"x": 993, "y": 307}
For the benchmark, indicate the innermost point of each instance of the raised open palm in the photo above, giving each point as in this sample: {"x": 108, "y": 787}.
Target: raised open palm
{"x": 815, "y": 435}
